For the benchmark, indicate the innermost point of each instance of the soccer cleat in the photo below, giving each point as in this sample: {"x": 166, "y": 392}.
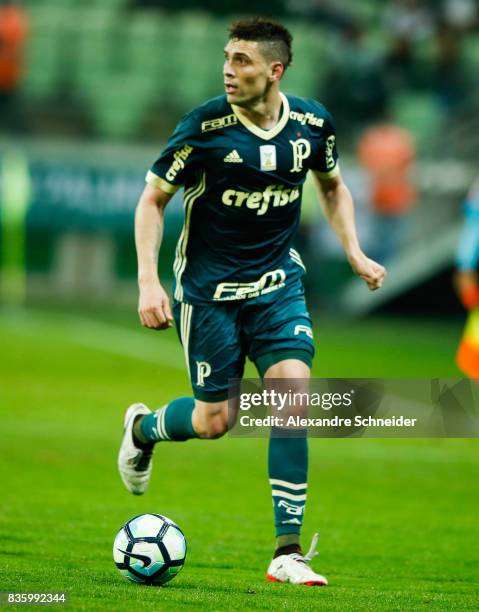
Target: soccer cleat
{"x": 134, "y": 463}
{"x": 294, "y": 568}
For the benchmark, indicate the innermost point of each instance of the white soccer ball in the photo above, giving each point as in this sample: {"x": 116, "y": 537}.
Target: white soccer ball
{"x": 149, "y": 549}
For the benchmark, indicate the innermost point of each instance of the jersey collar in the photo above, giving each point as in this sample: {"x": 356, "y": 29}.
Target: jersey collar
{"x": 265, "y": 134}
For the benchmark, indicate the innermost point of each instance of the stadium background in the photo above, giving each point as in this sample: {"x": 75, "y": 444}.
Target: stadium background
{"x": 103, "y": 84}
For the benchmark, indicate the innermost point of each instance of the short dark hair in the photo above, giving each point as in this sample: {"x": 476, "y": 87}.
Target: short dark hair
{"x": 276, "y": 37}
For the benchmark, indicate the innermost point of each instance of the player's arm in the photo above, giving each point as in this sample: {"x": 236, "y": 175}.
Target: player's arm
{"x": 168, "y": 173}
{"x": 337, "y": 204}
{"x": 154, "y": 306}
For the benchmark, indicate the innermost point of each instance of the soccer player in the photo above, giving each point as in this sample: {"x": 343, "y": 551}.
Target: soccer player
{"x": 242, "y": 159}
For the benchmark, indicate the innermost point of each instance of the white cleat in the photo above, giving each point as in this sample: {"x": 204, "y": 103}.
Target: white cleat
{"x": 294, "y": 568}
{"x": 134, "y": 463}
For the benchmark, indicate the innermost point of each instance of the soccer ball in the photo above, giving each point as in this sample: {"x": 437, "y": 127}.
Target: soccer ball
{"x": 149, "y": 549}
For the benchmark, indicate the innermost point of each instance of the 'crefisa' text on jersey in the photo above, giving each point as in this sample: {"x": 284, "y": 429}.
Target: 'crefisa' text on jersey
{"x": 242, "y": 198}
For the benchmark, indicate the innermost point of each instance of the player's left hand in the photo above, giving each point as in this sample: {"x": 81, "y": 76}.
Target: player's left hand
{"x": 369, "y": 270}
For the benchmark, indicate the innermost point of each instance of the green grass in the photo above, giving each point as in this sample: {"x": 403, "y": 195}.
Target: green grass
{"x": 398, "y": 518}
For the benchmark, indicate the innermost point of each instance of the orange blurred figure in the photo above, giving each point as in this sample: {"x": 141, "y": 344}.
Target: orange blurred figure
{"x": 387, "y": 152}
{"x": 13, "y": 33}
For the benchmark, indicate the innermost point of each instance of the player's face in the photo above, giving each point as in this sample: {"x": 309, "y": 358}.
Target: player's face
{"x": 247, "y": 74}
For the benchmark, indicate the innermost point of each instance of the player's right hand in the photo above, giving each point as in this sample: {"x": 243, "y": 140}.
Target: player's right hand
{"x": 154, "y": 306}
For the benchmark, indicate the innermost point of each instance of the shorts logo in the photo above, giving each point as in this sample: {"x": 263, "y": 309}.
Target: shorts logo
{"x": 303, "y": 329}
{"x": 203, "y": 370}
{"x": 301, "y": 151}
{"x": 267, "y": 155}
{"x": 270, "y": 281}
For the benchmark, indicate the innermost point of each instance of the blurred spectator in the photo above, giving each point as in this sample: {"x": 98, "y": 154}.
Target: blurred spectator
{"x": 325, "y": 12}
{"x": 409, "y": 20}
{"x": 399, "y": 65}
{"x": 467, "y": 284}
{"x": 216, "y": 7}
{"x": 13, "y": 32}
{"x": 460, "y": 14}
{"x": 354, "y": 86}
{"x": 387, "y": 153}
{"x": 450, "y": 78}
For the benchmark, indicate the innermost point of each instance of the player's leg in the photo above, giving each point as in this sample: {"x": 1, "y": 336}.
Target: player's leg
{"x": 283, "y": 349}
{"x": 288, "y": 457}
{"x": 288, "y": 476}
{"x": 213, "y": 354}
{"x": 182, "y": 419}
{"x": 213, "y": 420}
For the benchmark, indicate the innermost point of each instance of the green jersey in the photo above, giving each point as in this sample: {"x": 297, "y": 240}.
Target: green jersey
{"x": 242, "y": 197}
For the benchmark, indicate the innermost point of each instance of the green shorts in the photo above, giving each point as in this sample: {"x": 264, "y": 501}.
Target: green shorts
{"x": 218, "y": 337}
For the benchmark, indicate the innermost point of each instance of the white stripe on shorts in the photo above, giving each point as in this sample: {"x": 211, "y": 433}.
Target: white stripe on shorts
{"x": 185, "y": 328}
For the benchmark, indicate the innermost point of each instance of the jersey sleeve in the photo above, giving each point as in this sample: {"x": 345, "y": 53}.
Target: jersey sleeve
{"x": 176, "y": 162}
{"x": 325, "y": 154}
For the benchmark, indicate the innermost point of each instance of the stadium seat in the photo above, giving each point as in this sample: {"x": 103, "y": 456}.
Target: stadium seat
{"x": 118, "y": 108}
{"x": 471, "y": 55}
{"x": 43, "y": 53}
{"x": 50, "y": 4}
{"x": 42, "y": 67}
{"x": 113, "y": 4}
{"x": 425, "y": 50}
{"x": 198, "y": 58}
{"x": 366, "y": 12}
{"x": 310, "y": 53}
{"x": 95, "y": 41}
{"x": 143, "y": 33}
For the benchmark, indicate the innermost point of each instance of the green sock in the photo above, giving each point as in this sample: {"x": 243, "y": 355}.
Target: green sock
{"x": 170, "y": 422}
{"x": 288, "y": 473}
{"x": 287, "y": 540}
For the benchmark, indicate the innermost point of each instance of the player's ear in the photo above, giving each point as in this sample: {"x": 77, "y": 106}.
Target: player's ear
{"x": 276, "y": 71}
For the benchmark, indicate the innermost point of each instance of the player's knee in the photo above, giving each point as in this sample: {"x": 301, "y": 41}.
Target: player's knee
{"x": 210, "y": 420}
{"x": 292, "y": 369}
{"x": 290, "y": 378}
{"x": 215, "y": 428}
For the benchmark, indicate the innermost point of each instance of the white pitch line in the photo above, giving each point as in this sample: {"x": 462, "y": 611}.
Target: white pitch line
{"x": 105, "y": 337}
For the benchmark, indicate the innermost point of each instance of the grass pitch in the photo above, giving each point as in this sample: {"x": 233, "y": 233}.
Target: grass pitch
{"x": 398, "y": 518}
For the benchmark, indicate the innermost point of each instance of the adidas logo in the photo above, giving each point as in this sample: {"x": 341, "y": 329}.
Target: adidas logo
{"x": 233, "y": 157}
